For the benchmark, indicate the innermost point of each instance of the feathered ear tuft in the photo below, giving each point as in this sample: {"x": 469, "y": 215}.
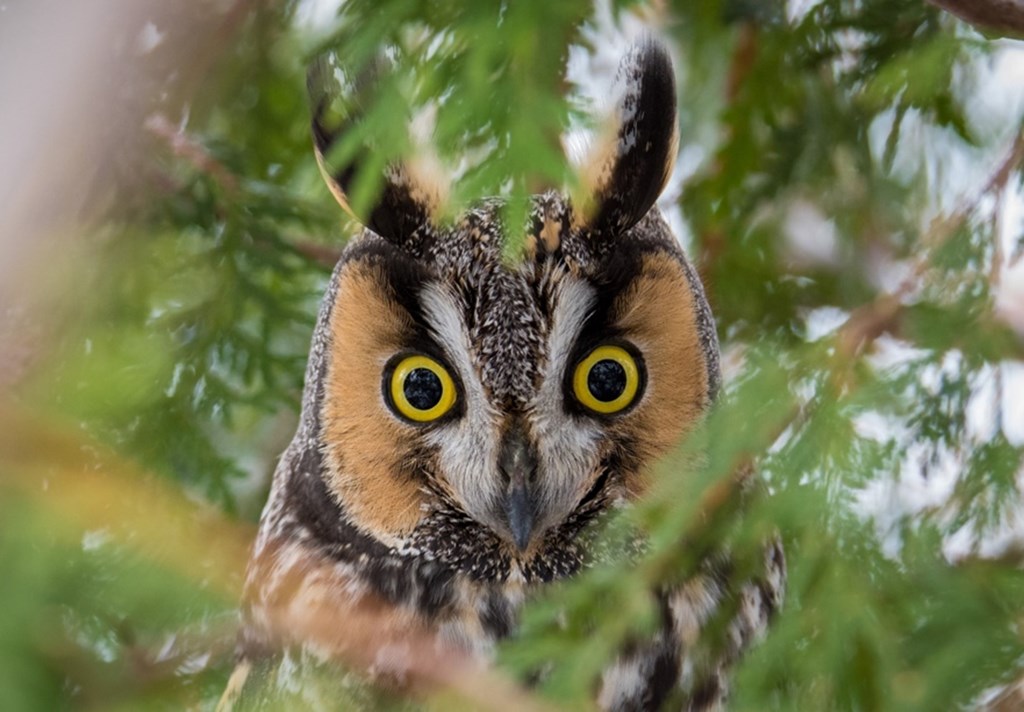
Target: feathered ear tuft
{"x": 412, "y": 195}
{"x": 628, "y": 168}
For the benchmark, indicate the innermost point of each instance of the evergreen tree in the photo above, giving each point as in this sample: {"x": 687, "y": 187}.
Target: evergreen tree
{"x": 849, "y": 188}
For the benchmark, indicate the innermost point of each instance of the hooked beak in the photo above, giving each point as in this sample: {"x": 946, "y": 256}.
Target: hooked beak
{"x": 517, "y": 463}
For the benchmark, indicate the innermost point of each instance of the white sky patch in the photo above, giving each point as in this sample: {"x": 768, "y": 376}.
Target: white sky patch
{"x": 880, "y": 427}
{"x": 1013, "y": 402}
{"x": 316, "y": 15}
{"x": 981, "y": 415}
{"x": 796, "y": 10}
{"x": 1011, "y": 224}
{"x": 95, "y": 539}
{"x": 811, "y": 236}
{"x": 1010, "y": 297}
{"x": 149, "y": 38}
{"x": 991, "y": 90}
{"x": 891, "y": 352}
{"x": 999, "y": 98}
{"x": 823, "y": 321}
{"x": 691, "y": 157}
{"x": 965, "y": 542}
{"x": 924, "y": 481}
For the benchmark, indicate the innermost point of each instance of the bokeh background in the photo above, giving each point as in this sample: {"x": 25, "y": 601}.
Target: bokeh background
{"x": 849, "y": 187}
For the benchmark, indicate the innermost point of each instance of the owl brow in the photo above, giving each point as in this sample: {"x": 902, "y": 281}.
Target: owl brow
{"x": 441, "y": 319}
{"x": 448, "y": 332}
{"x": 572, "y": 311}
{"x": 616, "y": 275}
{"x": 404, "y": 278}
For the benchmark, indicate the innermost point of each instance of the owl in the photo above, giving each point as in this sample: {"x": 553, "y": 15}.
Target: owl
{"x": 467, "y": 419}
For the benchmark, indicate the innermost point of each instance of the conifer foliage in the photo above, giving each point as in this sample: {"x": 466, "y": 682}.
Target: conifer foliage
{"x": 849, "y": 188}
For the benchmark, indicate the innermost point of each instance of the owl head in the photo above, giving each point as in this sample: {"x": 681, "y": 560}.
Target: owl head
{"x": 480, "y": 411}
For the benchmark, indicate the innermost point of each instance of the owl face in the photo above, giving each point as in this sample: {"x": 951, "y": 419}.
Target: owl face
{"x": 483, "y": 411}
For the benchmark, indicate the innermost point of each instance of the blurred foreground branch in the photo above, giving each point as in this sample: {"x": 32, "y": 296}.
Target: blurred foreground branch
{"x": 367, "y": 631}
{"x": 83, "y": 489}
{"x": 86, "y": 489}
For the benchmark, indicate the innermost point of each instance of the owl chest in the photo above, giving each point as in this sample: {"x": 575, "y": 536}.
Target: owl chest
{"x": 456, "y": 613}
{"x": 383, "y": 651}
{"x": 353, "y": 605}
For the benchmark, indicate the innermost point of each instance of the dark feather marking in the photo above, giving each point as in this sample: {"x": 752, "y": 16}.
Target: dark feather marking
{"x": 498, "y": 617}
{"x": 707, "y": 693}
{"x": 663, "y": 677}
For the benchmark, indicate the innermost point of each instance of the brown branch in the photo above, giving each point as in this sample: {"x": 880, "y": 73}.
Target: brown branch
{"x": 998, "y": 16}
{"x": 741, "y": 63}
{"x": 323, "y": 254}
{"x": 191, "y": 150}
{"x": 744, "y": 56}
{"x": 868, "y": 322}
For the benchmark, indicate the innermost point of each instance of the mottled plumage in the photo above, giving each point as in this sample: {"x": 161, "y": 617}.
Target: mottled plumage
{"x": 437, "y": 528}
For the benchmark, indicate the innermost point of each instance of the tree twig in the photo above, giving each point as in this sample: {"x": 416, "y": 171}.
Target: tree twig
{"x": 999, "y": 16}
{"x": 191, "y": 150}
{"x": 323, "y": 254}
{"x": 868, "y": 322}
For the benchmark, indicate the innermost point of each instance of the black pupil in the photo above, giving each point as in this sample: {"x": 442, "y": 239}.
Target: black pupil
{"x": 422, "y": 388}
{"x": 606, "y": 380}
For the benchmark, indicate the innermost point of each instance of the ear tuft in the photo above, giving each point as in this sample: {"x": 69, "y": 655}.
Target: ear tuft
{"x": 411, "y": 195}
{"x": 626, "y": 172}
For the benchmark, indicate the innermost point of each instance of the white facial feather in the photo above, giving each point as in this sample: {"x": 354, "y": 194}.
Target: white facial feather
{"x": 468, "y": 446}
{"x": 566, "y": 446}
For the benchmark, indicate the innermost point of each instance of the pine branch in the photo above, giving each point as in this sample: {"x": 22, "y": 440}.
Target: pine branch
{"x": 875, "y": 318}
{"x": 866, "y": 324}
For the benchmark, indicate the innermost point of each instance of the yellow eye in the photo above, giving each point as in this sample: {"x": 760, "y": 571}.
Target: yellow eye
{"x": 421, "y": 389}
{"x": 607, "y": 380}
